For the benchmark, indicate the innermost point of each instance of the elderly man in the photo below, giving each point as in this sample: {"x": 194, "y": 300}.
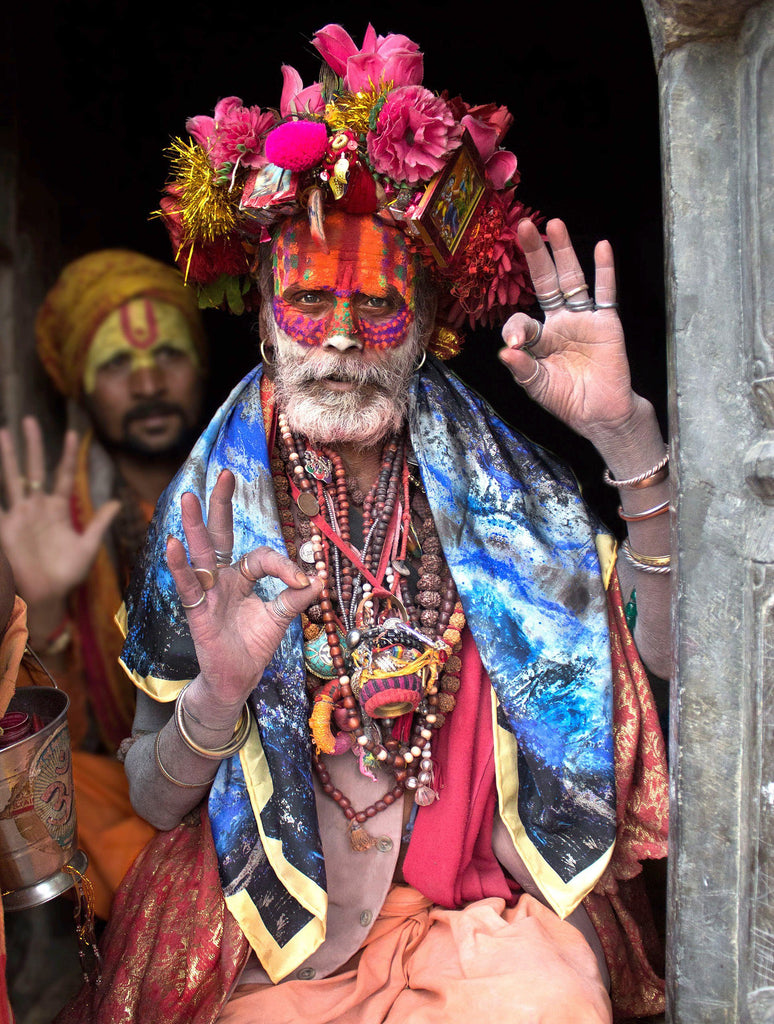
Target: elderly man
{"x": 121, "y": 336}
{"x": 389, "y": 663}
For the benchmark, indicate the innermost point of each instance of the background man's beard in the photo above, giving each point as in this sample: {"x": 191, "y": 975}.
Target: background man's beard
{"x": 374, "y": 408}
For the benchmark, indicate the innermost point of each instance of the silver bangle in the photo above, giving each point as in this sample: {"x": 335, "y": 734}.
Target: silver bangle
{"x": 237, "y": 741}
{"x": 171, "y": 778}
{"x": 648, "y": 513}
{"x": 644, "y": 479}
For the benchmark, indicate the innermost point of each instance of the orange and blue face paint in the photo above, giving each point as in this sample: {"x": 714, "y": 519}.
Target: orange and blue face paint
{"x": 365, "y": 282}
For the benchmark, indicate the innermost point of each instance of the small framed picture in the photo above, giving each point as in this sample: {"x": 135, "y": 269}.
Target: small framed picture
{"x": 450, "y": 200}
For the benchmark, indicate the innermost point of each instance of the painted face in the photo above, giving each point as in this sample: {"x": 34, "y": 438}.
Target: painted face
{"x": 143, "y": 380}
{"x": 135, "y": 336}
{"x": 362, "y": 290}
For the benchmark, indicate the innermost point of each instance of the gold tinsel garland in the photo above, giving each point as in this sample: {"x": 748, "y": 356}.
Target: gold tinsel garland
{"x": 353, "y": 110}
{"x": 207, "y": 207}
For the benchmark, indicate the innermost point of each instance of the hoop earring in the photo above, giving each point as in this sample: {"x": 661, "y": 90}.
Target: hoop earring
{"x": 421, "y": 362}
{"x": 264, "y": 358}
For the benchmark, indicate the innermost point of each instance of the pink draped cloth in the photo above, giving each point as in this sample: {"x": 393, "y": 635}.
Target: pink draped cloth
{"x": 422, "y": 964}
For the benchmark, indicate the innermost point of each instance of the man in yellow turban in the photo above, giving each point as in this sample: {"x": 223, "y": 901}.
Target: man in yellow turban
{"x": 120, "y": 335}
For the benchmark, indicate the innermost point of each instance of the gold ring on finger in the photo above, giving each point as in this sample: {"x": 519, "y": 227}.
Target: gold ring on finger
{"x": 207, "y": 578}
{"x": 245, "y": 570}
{"x": 196, "y": 604}
{"x": 575, "y": 291}
{"x": 532, "y": 378}
{"x": 35, "y": 485}
{"x": 537, "y": 326}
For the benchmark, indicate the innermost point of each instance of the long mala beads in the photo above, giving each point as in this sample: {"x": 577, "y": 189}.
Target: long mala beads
{"x": 402, "y": 745}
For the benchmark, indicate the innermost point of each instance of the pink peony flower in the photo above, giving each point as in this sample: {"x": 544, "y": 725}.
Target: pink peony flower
{"x": 415, "y": 132}
{"x": 234, "y": 134}
{"x": 382, "y": 59}
{"x": 295, "y": 98}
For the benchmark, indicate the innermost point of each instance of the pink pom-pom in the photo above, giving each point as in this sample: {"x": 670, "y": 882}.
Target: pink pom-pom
{"x": 297, "y": 145}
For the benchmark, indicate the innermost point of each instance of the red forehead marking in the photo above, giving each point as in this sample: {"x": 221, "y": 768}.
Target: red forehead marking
{"x": 139, "y": 334}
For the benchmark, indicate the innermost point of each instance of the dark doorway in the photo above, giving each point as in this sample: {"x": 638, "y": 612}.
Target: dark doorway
{"x": 102, "y": 87}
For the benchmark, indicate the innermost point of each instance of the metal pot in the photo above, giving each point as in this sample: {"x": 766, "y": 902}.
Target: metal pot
{"x": 37, "y": 808}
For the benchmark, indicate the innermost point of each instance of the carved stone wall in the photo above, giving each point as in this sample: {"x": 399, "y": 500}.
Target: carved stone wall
{"x": 716, "y": 75}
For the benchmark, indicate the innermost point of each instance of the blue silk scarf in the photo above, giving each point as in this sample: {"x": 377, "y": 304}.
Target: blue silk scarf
{"x": 520, "y": 544}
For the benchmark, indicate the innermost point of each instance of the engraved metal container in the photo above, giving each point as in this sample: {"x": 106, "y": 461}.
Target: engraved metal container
{"x": 37, "y": 809}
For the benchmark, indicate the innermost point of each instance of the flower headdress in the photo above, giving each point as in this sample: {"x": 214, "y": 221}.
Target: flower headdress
{"x": 368, "y": 137}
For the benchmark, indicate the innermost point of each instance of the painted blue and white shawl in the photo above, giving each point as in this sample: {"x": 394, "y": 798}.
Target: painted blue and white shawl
{"x": 520, "y": 544}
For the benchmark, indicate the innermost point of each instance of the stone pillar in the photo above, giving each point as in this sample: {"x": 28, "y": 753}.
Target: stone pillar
{"x": 716, "y": 71}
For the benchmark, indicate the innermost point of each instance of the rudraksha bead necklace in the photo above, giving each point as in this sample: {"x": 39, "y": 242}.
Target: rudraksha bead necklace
{"x": 360, "y": 587}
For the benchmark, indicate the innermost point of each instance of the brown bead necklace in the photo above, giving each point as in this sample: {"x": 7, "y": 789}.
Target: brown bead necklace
{"x": 361, "y": 587}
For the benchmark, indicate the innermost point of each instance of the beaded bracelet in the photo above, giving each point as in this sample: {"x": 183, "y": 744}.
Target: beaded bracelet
{"x": 237, "y": 741}
{"x": 171, "y": 778}
{"x": 647, "y": 563}
{"x": 649, "y": 513}
{"x": 650, "y": 477}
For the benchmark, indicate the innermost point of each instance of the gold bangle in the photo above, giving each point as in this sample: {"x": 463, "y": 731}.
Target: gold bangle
{"x": 171, "y": 778}
{"x": 237, "y": 741}
{"x": 652, "y": 476}
{"x": 648, "y": 563}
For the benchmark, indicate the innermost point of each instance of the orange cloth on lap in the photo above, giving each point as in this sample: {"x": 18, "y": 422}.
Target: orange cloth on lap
{"x": 109, "y": 831}
{"x": 426, "y": 965}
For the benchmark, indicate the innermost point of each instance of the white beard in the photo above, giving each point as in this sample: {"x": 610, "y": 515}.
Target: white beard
{"x": 375, "y": 407}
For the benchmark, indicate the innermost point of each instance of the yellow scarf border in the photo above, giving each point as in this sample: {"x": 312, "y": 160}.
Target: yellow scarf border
{"x": 278, "y": 961}
{"x": 562, "y": 897}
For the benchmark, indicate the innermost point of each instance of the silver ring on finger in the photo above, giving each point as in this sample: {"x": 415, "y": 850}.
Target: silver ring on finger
{"x": 537, "y": 326}
{"x": 196, "y": 604}
{"x": 581, "y": 307}
{"x": 532, "y": 378}
{"x": 34, "y": 485}
{"x": 210, "y": 578}
{"x": 551, "y": 300}
{"x": 606, "y": 305}
{"x": 222, "y": 558}
{"x": 244, "y": 568}
{"x": 279, "y": 609}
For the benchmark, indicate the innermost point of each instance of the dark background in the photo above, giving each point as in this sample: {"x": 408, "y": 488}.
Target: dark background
{"x": 101, "y": 88}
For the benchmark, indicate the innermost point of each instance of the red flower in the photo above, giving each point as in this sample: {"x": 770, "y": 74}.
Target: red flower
{"x": 490, "y": 275}
{"x": 202, "y": 262}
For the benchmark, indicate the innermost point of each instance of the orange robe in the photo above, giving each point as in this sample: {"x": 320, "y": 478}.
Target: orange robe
{"x": 109, "y": 831}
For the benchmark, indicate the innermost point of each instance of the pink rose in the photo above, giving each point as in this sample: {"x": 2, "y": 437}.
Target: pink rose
{"x": 415, "y": 132}
{"x": 382, "y": 59}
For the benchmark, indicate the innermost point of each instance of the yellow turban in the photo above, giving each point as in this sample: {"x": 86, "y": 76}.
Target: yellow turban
{"x": 88, "y": 290}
